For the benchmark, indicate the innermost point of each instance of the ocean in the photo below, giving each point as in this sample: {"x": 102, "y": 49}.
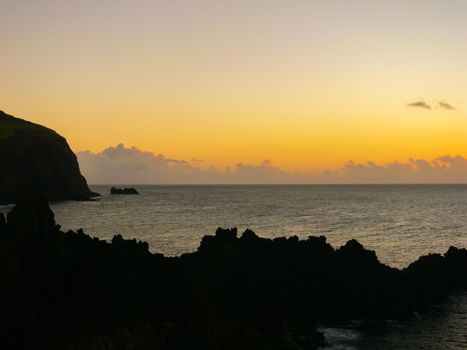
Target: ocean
{"x": 399, "y": 222}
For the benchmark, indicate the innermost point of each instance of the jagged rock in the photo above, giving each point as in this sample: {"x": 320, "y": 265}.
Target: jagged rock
{"x": 68, "y": 290}
{"x": 2, "y": 221}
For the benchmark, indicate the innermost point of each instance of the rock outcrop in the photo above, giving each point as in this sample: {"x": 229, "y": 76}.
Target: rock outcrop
{"x": 35, "y": 159}
{"x": 125, "y": 190}
{"x": 66, "y": 290}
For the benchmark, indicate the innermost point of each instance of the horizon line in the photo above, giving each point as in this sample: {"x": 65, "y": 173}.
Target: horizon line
{"x": 287, "y": 184}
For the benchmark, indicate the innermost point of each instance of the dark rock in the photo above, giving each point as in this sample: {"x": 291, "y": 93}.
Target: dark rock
{"x": 2, "y": 221}
{"x": 66, "y": 290}
{"x": 34, "y": 159}
{"x": 130, "y": 190}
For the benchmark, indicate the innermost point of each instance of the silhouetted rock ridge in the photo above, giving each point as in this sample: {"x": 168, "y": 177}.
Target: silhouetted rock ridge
{"x": 66, "y": 290}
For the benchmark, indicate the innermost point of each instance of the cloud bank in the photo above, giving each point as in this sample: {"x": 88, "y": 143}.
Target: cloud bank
{"x": 446, "y": 169}
{"x": 122, "y": 165}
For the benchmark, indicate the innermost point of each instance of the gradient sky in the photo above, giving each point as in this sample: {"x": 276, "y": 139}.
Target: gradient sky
{"x": 307, "y": 84}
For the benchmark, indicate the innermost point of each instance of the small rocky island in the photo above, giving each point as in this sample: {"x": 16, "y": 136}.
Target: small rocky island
{"x": 35, "y": 159}
{"x": 67, "y": 290}
{"x": 130, "y": 190}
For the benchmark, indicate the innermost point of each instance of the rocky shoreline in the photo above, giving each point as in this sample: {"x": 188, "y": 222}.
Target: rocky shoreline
{"x": 66, "y": 290}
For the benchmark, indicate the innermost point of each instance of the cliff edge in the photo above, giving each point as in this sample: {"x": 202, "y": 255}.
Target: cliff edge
{"x": 35, "y": 159}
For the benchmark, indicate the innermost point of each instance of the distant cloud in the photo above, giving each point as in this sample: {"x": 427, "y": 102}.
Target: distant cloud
{"x": 446, "y": 105}
{"x": 425, "y": 105}
{"x": 419, "y": 104}
{"x": 446, "y": 169}
{"x": 264, "y": 172}
{"x": 129, "y": 165}
{"x": 122, "y": 165}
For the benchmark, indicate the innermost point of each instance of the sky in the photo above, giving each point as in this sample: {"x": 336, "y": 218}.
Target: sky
{"x": 305, "y": 87}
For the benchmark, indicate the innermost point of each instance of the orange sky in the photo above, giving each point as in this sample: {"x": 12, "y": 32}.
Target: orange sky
{"x": 307, "y": 84}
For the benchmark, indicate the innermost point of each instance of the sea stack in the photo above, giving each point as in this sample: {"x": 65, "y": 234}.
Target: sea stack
{"x": 35, "y": 159}
{"x": 130, "y": 190}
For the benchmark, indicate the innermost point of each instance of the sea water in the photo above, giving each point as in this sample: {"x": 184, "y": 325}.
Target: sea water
{"x": 399, "y": 222}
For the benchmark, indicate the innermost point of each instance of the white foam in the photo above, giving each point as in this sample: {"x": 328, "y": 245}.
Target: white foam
{"x": 340, "y": 338}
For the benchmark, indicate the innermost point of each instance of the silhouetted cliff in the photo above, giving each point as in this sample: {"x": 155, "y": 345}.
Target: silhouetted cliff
{"x": 36, "y": 159}
{"x": 70, "y": 291}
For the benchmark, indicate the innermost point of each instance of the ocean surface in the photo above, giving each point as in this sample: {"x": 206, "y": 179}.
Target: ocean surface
{"x": 399, "y": 222}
